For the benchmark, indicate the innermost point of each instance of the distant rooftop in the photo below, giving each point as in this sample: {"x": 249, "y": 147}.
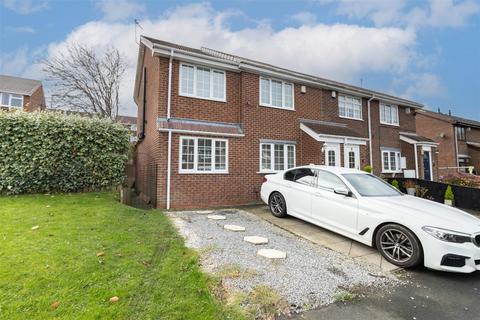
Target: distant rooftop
{"x": 452, "y": 118}
{"x": 18, "y": 85}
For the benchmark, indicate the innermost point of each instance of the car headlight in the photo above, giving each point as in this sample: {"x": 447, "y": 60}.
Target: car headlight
{"x": 448, "y": 235}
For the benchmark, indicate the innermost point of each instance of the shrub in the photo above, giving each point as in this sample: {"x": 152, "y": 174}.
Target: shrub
{"x": 461, "y": 179}
{"x": 368, "y": 168}
{"x": 54, "y": 152}
{"x": 449, "y": 193}
{"x": 395, "y": 184}
{"x": 409, "y": 184}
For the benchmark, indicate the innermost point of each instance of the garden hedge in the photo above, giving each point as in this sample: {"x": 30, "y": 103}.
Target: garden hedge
{"x": 55, "y": 152}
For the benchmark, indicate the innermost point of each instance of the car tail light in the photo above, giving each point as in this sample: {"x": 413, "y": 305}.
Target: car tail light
{"x": 264, "y": 179}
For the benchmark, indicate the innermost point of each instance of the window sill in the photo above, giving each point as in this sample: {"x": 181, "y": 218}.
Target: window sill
{"x": 392, "y": 171}
{"x": 280, "y": 108}
{"x": 202, "y": 98}
{"x": 268, "y": 172}
{"x": 390, "y": 124}
{"x": 202, "y": 172}
{"x": 358, "y": 119}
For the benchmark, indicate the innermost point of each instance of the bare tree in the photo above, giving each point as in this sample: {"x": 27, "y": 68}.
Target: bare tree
{"x": 84, "y": 81}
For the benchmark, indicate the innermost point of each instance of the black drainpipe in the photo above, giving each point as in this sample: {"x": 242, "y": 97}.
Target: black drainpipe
{"x": 144, "y": 121}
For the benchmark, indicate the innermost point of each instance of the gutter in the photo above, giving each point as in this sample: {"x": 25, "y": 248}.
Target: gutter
{"x": 370, "y": 151}
{"x": 416, "y": 160}
{"x": 169, "y": 107}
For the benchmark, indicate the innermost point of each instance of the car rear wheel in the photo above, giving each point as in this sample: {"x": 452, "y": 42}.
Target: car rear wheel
{"x": 399, "y": 246}
{"x": 277, "y": 204}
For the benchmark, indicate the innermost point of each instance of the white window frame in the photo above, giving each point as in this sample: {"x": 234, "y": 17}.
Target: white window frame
{"x": 10, "y": 100}
{"x": 270, "y": 105}
{"x": 195, "y": 156}
{"x": 398, "y": 160}
{"x": 391, "y": 106}
{"x": 194, "y": 95}
{"x": 353, "y": 110}
{"x": 272, "y": 156}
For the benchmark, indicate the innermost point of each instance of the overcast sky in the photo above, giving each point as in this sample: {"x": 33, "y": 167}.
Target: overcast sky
{"x": 427, "y": 51}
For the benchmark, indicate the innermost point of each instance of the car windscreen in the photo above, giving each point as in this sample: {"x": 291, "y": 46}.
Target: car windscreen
{"x": 368, "y": 185}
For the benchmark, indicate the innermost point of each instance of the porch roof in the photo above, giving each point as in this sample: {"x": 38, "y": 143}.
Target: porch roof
{"x": 413, "y": 138}
{"x": 331, "y": 132}
{"x": 473, "y": 144}
{"x": 180, "y": 125}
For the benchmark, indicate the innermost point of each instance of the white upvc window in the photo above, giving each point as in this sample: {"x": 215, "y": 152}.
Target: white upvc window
{"x": 202, "y": 82}
{"x": 276, "y": 93}
{"x": 391, "y": 161}
{"x": 350, "y": 107}
{"x": 203, "y": 155}
{"x": 389, "y": 114}
{"x": 11, "y": 100}
{"x": 276, "y": 156}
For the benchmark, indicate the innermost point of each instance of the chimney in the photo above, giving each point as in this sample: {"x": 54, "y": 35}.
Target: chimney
{"x": 439, "y": 110}
{"x": 449, "y": 112}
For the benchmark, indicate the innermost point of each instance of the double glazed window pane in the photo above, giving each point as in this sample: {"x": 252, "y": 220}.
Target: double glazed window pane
{"x": 288, "y": 95}
{"x": 218, "y": 82}
{"x": 276, "y": 93}
{"x": 276, "y": 156}
{"x": 203, "y": 82}
{"x": 279, "y": 157}
{"x": 5, "y": 99}
{"x": 290, "y": 157}
{"x": 264, "y": 91}
{"x": 16, "y": 100}
{"x": 188, "y": 154}
{"x": 220, "y": 155}
{"x": 350, "y": 107}
{"x": 266, "y": 157}
{"x": 204, "y": 155}
{"x": 187, "y": 79}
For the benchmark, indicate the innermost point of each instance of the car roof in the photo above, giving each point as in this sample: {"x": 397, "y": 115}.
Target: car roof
{"x": 337, "y": 170}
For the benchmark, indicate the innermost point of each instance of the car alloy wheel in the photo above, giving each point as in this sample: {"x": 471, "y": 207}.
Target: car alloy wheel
{"x": 399, "y": 246}
{"x": 277, "y": 205}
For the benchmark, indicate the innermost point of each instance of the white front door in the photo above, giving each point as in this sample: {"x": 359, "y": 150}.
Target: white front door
{"x": 332, "y": 154}
{"x": 351, "y": 156}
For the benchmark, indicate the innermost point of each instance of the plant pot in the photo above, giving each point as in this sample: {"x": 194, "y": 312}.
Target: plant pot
{"x": 448, "y": 202}
{"x": 411, "y": 191}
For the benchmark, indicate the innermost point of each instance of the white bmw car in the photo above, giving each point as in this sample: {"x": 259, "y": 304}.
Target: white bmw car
{"x": 407, "y": 230}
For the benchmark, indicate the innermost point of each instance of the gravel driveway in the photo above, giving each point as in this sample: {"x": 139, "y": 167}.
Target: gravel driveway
{"x": 309, "y": 277}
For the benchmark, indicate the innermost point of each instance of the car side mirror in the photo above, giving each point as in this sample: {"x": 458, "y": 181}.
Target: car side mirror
{"x": 343, "y": 191}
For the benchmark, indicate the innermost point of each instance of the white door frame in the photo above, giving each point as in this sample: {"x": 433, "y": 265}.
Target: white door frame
{"x": 356, "y": 149}
{"x": 329, "y": 146}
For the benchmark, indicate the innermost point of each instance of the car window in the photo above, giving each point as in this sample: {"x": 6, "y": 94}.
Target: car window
{"x": 303, "y": 175}
{"x": 370, "y": 186}
{"x": 328, "y": 180}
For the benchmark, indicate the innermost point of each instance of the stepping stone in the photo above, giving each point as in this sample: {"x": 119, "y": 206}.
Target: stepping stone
{"x": 216, "y": 217}
{"x": 272, "y": 254}
{"x": 205, "y": 211}
{"x": 233, "y": 227}
{"x": 255, "y": 239}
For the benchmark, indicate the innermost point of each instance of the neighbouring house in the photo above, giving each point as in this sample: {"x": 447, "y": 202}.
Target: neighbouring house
{"x": 212, "y": 124}
{"x": 458, "y": 140}
{"x": 131, "y": 124}
{"x": 21, "y": 93}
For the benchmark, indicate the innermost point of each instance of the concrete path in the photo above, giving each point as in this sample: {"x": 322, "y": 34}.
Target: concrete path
{"x": 323, "y": 237}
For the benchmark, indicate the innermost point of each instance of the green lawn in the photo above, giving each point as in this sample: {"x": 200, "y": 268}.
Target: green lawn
{"x": 145, "y": 262}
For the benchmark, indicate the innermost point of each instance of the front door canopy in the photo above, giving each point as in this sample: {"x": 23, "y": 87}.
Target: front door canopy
{"x": 332, "y": 132}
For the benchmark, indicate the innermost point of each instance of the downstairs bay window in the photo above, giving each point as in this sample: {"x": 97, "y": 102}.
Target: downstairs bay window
{"x": 276, "y": 156}
{"x": 391, "y": 161}
{"x": 203, "y": 155}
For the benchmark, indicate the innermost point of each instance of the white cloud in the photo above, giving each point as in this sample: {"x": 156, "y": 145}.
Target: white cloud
{"x": 339, "y": 52}
{"x": 21, "y": 29}
{"x": 422, "y": 85}
{"x": 25, "y": 6}
{"x": 14, "y": 63}
{"x": 305, "y": 17}
{"x": 119, "y": 10}
{"x": 435, "y": 13}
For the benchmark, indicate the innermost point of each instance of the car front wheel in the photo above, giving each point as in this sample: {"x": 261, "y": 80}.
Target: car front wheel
{"x": 277, "y": 205}
{"x": 399, "y": 246}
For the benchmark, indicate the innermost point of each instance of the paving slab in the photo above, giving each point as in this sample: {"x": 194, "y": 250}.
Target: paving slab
{"x": 233, "y": 227}
{"x": 255, "y": 239}
{"x": 216, "y": 217}
{"x": 272, "y": 253}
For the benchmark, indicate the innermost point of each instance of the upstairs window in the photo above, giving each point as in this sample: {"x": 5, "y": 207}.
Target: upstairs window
{"x": 276, "y": 93}
{"x": 460, "y": 133}
{"x": 11, "y": 100}
{"x": 389, "y": 114}
{"x": 202, "y": 82}
{"x": 276, "y": 156}
{"x": 350, "y": 107}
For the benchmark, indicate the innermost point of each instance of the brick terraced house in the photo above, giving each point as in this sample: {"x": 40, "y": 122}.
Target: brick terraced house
{"x": 21, "y": 93}
{"x": 458, "y": 139}
{"x": 211, "y": 125}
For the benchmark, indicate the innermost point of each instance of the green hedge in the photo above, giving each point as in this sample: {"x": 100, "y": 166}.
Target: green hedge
{"x": 54, "y": 152}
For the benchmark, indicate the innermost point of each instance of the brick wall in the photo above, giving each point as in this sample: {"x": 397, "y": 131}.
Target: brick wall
{"x": 35, "y": 102}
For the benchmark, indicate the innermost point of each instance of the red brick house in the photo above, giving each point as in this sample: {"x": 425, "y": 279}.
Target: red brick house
{"x": 21, "y": 93}
{"x": 458, "y": 140}
{"x": 211, "y": 125}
